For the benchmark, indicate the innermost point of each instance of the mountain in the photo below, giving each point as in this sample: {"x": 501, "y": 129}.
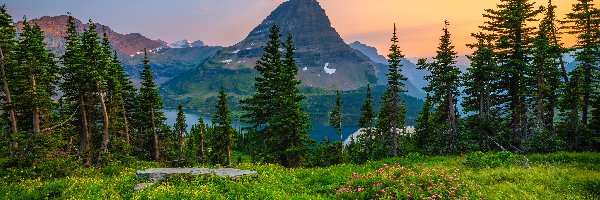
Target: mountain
{"x": 185, "y": 44}
{"x": 55, "y": 30}
{"x": 167, "y": 62}
{"x": 324, "y": 60}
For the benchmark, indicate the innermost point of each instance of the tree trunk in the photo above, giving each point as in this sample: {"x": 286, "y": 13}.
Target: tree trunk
{"x": 11, "y": 111}
{"x": 586, "y": 95}
{"x": 394, "y": 121}
{"x": 36, "y": 109}
{"x": 202, "y": 156}
{"x": 452, "y": 118}
{"x": 155, "y": 134}
{"x": 180, "y": 145}
{"x": 127, "y": 137}
{"x": 85, "y": 133}
{"x": 105, "y": 134}
{"x": 228, "y": 149}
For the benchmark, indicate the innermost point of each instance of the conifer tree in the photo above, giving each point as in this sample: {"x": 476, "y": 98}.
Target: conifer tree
{"x": 279, "y": 131}
{"x": 509, "y": 26}
{"x": 335, "y": 116}
{"x": 393, "y": 112}
{"x": 97, "y": 59}
{"x": 35, "y": 77}
{"x": 7, "y": 46}
{"x": 366, "y": 122}
{"x": 224, "y": 130}
{"x": 75, "y": 85}
{"x": 544, "y": 74}
{"x": 584, "y": 22}
{"x": 201, "y": 129}
{"x": 150, "y": 103}
{"x": 443, "y": 85}
{"x": 481, "y": 97}
{"x": 424, "y": 128}
{"x": 180, "y": 128}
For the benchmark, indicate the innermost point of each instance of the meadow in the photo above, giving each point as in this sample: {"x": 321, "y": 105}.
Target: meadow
{"x": 482, "y": 176}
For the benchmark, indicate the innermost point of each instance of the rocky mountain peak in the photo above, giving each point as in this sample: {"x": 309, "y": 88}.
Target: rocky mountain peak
{"x": 324, "y": 59}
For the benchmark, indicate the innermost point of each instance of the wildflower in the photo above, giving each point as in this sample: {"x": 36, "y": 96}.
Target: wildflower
{"x": 355, "y": 175}
{"x": 408, "y": 196}
{"x": 382, "y": 190}
{"x": 379, "y": 184}
{"x": 359, "y": 189}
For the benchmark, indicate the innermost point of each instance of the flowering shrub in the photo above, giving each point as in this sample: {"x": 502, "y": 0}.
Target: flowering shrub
{"x": 398, "y": 182}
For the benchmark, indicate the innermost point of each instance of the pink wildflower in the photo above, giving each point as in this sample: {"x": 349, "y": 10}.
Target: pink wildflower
{"x": 408, "y": 196}
{"x": 359, "y": 189}
{"x": 355, "y": 175}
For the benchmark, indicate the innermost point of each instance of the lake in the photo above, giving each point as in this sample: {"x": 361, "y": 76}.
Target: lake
{"x": 318, "y": 133}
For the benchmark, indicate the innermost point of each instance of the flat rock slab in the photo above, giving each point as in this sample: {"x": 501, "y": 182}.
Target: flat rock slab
{"x": 162, "y": 173}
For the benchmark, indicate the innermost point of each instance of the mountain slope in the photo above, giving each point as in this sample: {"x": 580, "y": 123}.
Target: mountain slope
{"x": 415, "y": 81}
{"x": 165, "y": 61}
{"x": 324, "y": 60}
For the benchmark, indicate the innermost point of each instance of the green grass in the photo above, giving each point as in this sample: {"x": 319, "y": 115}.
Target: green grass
{"x": 550, "y": 176}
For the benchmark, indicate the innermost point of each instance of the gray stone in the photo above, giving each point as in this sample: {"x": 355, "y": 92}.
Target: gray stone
{"x": 142, "y": 186}
{"x": 162, "y": 173}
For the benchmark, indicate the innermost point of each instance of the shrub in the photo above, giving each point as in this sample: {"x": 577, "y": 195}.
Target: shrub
{"x": 398, "y": 182}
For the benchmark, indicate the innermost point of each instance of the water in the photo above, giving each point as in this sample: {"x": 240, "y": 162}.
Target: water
{"x": 318, "y": 133}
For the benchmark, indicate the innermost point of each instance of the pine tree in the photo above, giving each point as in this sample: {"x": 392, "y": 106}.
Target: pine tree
{"x": 35, "y": 77}
{"x": 544, "y": 75}
{"x": 201, "y": 128}
{"x": 481, "y": 90}
{"x": 508, "y": 25}
{"x": 97, "y": 59}
{"x": 393, "y": 112}
{"x": 425, "y": 129}
{"x": 7, "y": 46}
{"x": 335, "y": 116}
{"x": 279, "y": 131}
{"x": 123, "y": 91}
{"x": 180, "y": 128}
{"x": 366, "y": 122}
{"x": 75, "y": 84}
{"x": 584, "y": 22}
{"x": 150, "y": 103}
{"x": 224, "y": 130}
{"x": 443, "y": 85}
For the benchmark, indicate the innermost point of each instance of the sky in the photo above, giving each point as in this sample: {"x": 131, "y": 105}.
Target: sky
{"x": 226, "y": 22}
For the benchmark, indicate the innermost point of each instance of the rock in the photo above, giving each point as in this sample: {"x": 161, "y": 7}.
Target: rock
{"x": 162, "y": 173}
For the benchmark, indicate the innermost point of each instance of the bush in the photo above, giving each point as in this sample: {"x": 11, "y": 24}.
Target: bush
{"x": 479, "y": 159}
{"x": 398, "y": 182}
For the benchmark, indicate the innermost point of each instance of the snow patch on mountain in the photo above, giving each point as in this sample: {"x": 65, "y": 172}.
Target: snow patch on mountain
{"x": 329, "y": 70}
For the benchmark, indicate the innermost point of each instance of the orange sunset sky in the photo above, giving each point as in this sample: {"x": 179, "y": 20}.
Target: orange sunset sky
{"x": 226, "y": 22}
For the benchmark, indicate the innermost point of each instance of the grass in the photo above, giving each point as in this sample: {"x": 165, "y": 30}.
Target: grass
{"x": 550, "y": 176}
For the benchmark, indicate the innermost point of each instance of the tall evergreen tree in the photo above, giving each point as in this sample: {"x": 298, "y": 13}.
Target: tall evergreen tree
{"x": 75, "y": 85}
{"x": 180, "y": 128}
{"x": 425, "y": 129}
{"x": 393, "y": 111}
{"x": 224, "y": 130}
{"x": 544, "y": 74}
{"x": 481, "y": 90}
{"x": 97, "y": 59}
{"x": 584, "y": 22}
{"x": 279, "y": 129}
{"x": 508, "y": 24}
{"x": 335, "y": 116}
{"x": 35, "y": 77}
{"x": 149, "y": 115}
{"x": 7, "y": 46}
{"x": 443, "y": 85}
{"x": 366, "y": 122}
